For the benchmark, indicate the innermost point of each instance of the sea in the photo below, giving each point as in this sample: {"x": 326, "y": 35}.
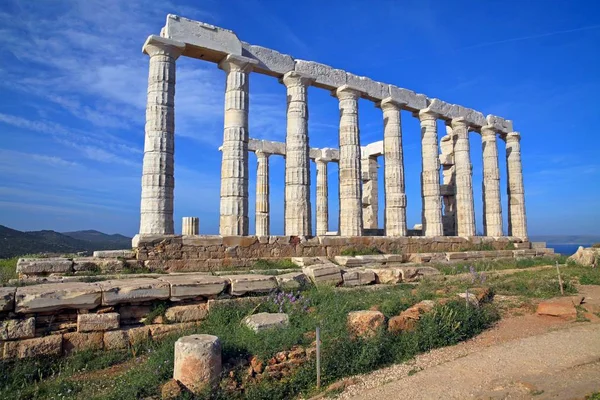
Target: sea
{"x": 566, "y": 249}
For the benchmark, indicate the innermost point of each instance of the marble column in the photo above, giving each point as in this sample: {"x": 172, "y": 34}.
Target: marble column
{"x": 517, "y": 224}
{"x": 349, "y": 163}
{"x": 234, "y": 167}
{"x": 298, "y": 217}
{"x": 465, "y": 209}
{"x": 158, "y": 182}
{"x": 395, "y": 196}
{"x": 190, "y": 226}
{"x": 370, "y": 195}
{"x": 262, "y": 193}
{"x": 430, "y": 175}
{"x": 492, "y": 207}
{"x": 448, "y": 188}
{"x": 322, "y": 201}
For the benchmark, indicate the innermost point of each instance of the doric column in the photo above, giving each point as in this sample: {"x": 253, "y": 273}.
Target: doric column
{"x": 262, "y": 193}
{"x": 465, "y": 209}
{"x": 448, "y": 188}
{"x": 517, "y": 224}
{"x": 370, "y": 196}
{"x": 349, "y": 163}
{"x": 395, "y": 196}
{"x": 430, "y": 175}
{"x": 322, "y": 202}
{"x": 158, "y": 182}
{"x": 298, "y": 216}
{"x": 190, "y": 226}
{"x": 234, "y": 167}
{"x": 492, "y": 207}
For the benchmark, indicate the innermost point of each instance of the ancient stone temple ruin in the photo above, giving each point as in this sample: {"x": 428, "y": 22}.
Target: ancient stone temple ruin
{"x": 447, "y": 205}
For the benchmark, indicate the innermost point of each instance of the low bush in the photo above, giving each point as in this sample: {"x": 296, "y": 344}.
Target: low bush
{"x": 8, "y": 269}
{"x": 361, "y": 251}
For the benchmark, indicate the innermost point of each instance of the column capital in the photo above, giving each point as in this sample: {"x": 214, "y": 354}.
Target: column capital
{"x": 390, "y": 104}
{"x": 321, "y": 160}
{"x": 345, "y": 92}
{"x": 237, "y": 63}
{"x": 513, "y": 137}
{"x": 262, "y": 153}
{"x": 488, "y": 130}
{"x": 426, "y": 114}
{"x": 156, "y": 45}
{"x": 458, "y": 122}
{"x": 295, "y": 78}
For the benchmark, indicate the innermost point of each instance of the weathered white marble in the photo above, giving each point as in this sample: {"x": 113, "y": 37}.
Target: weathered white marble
{"x": 370, "y": 195}
{"x": 409, "y": 99}
{"x": 349, "y": 165}
{"x": 156, "y": 214}
{"x": 492, "y": 207}
{"x": 297, "y": 162}
{"x": 500, "y": 124}
{"x": 234, "y": 167}
{"x": 517, "y": 224}
{"x": 465, "y": 209}
{"x": 370, "y": 89}
{"x": 190, "y": 226}
{"x": 448, "y": 188}
{"x": 322, "y": 197}
{"x": 262, "y": 193}
{"x": 270, "y": 62}
{"x": 326, "y": 77}
{"x": 430, "y": 175}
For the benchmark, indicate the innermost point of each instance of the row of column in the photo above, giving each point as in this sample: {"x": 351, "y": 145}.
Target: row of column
{"x": 158, "y": 181}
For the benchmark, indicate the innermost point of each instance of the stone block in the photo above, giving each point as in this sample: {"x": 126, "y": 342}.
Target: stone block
{"x": 500, "y": 124}
{"x": 365, "y": 324}
{"x": 372, "y": 90}
{"x": 265, "y": 321}
{"x": 292, "y": 280}
{"x": 457, "y": 255}
{"x": 17, "y": 329}
{"x": 97, "y": 322}
{"x": 524, "y": 253}
{"x": 270, "y": 62}
{"x": 326, "y": 77}
{"x": 133, "y": 313}
{"x": 189, "y": 313}
{"x": 389, "y": 276}
{"x": 114, "y": 340}
{"x": 43, "y": 266}
{"x": 7, "y": 298}
{"x": 538, "y": 245}
{"x": 217, "y": 42}
{"x": 190, "y": 286}
{"x": 138, "y": 335}
{"x": 324, "y": 274}
{"x": 411, "y": 100}
{"x": 358, "y": 277}
{"x": 197, "y": 362}
{"x": 250, "y": 283}
{"x": 133, "y": 291}
{"x": 351, "y": 261}
{"x": 74, "y": 342}
{"x": 44, "y": 346}
{"x": 161, "y": 331}
{"x": 57, "y": 296}
{"x": 202, "y": 241}
{"x": 85, "y": 264}
{"x": 127, "y": 254}
{"x": 306, "y": 261}
{"x": 563, "y": 307}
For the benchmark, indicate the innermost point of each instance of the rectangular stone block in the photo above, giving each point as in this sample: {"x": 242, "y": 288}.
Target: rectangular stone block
{"x": 57, "y": 296}
{"x": 7, "y": 298}
{"x": 413, "y": 101}
{"x": 189, "y": 313}
{"x": 97, "y": 322}
{"x": 133, "y": 291}
{"x": 326, "y": 77}
{"x": 202, "y": 240}
{"x": 502, "y": 125}
{"x": 44, "y": 346}
{"x": 114, "y": 340}
{"x": 242, "y": 284}
{"x": 115, "y": 254}
{"x": 191, "y": 286}
{"x": 43, "y": 266}
{"x": 538, "y": 245}
{"x": 358, "y": 277}
{"x": 73, "y": 342}
{"x": 17, "y": 329}
{"x": 270, "y": 62}
{"x": 324, "y": 274}
{"x": 458, "y": 255}
{"x": 292, "y": 280}
{"x": 372, "y": 90}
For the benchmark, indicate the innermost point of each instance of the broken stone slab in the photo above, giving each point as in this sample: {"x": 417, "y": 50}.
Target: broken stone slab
{"x": 270, "y": 62}
{"x": 7, "y": 298}
{"x": 250, "y": 283}
{"x": 292, "y": 280}
{"x": 412, "y": 101}
{"x": 358, "y": 277}
{"x": 127, "y": 254}
{"x": 350, "y": 261}
{"x": 191, "y": 286}
{"x": 57, "y": 296}
{"x": 412, "y": 274}
{"x": 388, "y": 276}
{"x": 562, "y": 307}
{"x": 133, "y": 291}
{"x": 306, "y": 261}
{"x": 44, "y": 346}
{"x": 17, "y": 329}
{"x": 324, "y": 274}
{"x": 97, "y": 322}
{"x": 458, "y": 255}
{"x": 36, "y": 266}
{"x": 264, "y": 321}
{"x": 189, "y": 313}
{"x": 326, "y": 77}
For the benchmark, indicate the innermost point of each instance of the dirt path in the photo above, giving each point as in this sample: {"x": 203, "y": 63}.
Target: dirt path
{"x": 522, "y": 357}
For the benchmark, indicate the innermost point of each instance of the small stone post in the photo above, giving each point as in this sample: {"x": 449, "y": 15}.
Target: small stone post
{"x": 197, "y": 362}
{"x": 190, "y": 226}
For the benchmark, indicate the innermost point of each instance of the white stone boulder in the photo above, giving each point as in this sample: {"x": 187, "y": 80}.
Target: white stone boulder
{"x": 37, "y": 266}
{"x": 189, "y": 286}
{"x": 586, "y": 256}
{"x": 264, "y": 321}
{"x": 324, "y": 274}
{"x": 57, "y": 296}
{"x": 326, "y": 77}
{"x": 133, "y": 291}
{"x": 250, "y": 283}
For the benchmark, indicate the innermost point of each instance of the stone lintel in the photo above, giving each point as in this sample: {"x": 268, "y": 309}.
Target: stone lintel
{"x": 266, "y": 146}
{"x": 157, "y": 45}
{"x": 448, "y": 112}
{"x": 326, "y": 77}
{"x": 412, "y": 101}
{"x": 270, "y": 62}
{"x": 325, "y": 154}
{"x": 502, "y": 125}
{"x": 370, "y": 89}
{"x": 372, "y": 150}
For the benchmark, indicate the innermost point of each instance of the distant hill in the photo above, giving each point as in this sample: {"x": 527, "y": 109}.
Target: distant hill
{"x": 566, "y": 239}
{"x": 15, "y": 243}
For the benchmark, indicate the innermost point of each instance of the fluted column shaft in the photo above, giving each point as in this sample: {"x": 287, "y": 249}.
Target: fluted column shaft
{"x": 370, "y": 195}
{"x": 234, "y": 167}
{"x": 298, "y": 216}
{"x": 322, "y": 195}
{"x": 349, "y": 164}
{"x": 395, "y": 196}
{"x": 465, "y": 209}
{"x": 517, "y": 223}
{"x": 190, "y": 226}
{"x": 492, "y": 207}
{"x": 262, "y": 194}
{"x": 158, "y": 182}
{"x": 430, "y": 175}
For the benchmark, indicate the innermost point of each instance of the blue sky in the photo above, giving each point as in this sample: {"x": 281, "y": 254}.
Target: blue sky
{"x": 74, "y": 84}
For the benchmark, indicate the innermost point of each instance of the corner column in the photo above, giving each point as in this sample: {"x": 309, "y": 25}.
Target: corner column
{"x": 351, "y": 223}
{"x": 298, "y": 217}
{"x": 517, "y": 224}
{"x": 395, "y": 196}
{"x": 158, "y": 181}
{"x": 262, "y": 193}
{"x": 492, "y": 207}
{"x": 234, "y": 167}
{"x": 430, "y": 175}
{"x": 465, "y": 209}
{"x": 322, "y": 197}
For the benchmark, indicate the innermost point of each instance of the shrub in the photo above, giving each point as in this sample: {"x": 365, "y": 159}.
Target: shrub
{"x": 361, "y": 251}
{"x": 8, "y": 269}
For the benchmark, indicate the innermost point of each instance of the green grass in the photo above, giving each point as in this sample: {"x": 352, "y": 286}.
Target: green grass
{"x": 593, "y": 396}
{"x": 284, "y": 263}
{"x": 360, "y": 251}
{"x": 498, "y": 265}
{"x": 8, "y": 269}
